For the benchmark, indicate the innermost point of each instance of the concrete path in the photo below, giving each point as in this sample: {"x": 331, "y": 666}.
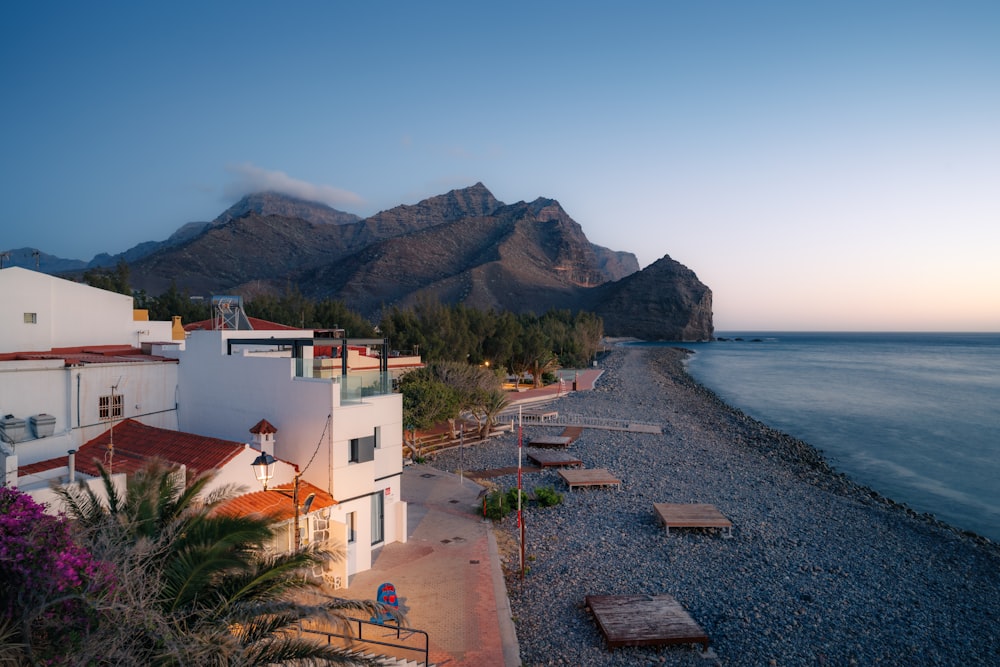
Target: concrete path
{"x": 447, "y": 575}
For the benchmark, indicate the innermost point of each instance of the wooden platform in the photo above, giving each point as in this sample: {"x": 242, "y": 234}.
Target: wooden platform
{"x": 550, "y": 441}
{"x": 644, "y": 620}
{"x": 572, "y": 432}
{"x": 692, "y": 515}
{"x": 554, "y": 459}
{"x": 589, "y": 477}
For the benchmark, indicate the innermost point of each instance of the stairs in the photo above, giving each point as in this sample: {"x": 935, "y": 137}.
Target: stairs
{"x": 389, "y": 661}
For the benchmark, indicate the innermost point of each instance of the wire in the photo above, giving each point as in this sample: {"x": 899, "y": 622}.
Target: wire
{"x": 319, "y": 443}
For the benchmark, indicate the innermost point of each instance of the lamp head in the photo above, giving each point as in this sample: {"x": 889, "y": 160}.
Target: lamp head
{"x": 263, "y": 468}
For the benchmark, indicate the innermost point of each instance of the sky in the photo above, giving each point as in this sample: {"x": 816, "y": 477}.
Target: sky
{"x": 819, "y": 165}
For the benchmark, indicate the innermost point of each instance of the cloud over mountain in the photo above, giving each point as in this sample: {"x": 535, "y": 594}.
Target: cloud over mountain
{"x": 251, "y": 178}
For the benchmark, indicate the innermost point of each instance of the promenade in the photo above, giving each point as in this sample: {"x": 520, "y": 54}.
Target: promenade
{"x": 448, "y": 574}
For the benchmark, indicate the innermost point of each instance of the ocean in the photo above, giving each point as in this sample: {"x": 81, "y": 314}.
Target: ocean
{"x": 914, "y": 416}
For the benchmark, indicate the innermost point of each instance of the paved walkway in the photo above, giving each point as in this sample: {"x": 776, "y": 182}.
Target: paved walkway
{"x": 448, "y": 575}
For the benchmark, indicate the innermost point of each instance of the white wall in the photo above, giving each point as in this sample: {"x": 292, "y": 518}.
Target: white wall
{"x": 68, "y": 314}
{"x": 225, "y": 395}
{"x": 72, "y": 394}
{"x": 44, "y": 495}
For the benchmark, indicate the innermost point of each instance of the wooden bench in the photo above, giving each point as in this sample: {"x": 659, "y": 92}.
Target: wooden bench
{"x": 692, "y": 515}
{"x": 644, "y": 620}
{"x": 550, "y": 459}
{"x": 550, "y": 441}
{"x": 589, "y": 477}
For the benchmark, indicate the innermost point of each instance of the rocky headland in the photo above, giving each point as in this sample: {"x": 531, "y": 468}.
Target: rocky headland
{"x": 819, "y": 571}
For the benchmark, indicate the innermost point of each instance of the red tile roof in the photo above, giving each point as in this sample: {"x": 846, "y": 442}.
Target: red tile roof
{"x": 89, "y": 354}
{"x": 263, "y": 426}
{"x": 275, "y": 503}
{"x": 135, "y": 444}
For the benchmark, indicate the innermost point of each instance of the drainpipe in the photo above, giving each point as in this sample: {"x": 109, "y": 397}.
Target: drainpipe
{"x": 72, "y": 466}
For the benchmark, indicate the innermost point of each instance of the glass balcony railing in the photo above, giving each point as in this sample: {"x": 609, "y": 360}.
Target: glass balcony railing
{"x": 354, "y": 387}
{"x": 357, "y": 386}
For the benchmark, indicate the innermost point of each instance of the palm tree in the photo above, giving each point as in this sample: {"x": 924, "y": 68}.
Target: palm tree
{"x": 197, "y": 587}
{"x": 488, "y": 408}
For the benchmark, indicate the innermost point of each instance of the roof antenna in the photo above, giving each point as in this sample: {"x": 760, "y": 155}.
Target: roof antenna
{"x": 111, "y": 414}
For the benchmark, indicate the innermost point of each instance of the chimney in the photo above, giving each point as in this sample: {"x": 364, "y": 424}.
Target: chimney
{"x": 263, "y": 437}
{"x": 176, "y": 328}
{"x": 72, "y": 465}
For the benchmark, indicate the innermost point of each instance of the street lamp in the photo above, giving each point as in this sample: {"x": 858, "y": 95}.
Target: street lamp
{"x": 263, "y": 469}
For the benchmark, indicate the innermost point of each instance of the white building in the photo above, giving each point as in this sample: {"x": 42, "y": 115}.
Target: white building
{"x": 72, "y": 360}
{"x": 344, "y": 432}
{"x": 79, "y": 359}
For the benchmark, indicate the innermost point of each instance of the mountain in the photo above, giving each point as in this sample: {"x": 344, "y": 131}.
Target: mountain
{"x": 464, "y": 246}
{"x": 272, "y": 203}
{"x": 664, "y": 301}
{"x": 30, "y": 258}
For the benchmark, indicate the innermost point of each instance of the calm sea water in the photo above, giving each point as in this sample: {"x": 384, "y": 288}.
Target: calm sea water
{"x": 914, "y": 416}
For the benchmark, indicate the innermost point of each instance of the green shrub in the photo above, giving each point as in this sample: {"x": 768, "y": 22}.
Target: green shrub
{"x": 511, "y": 499}
{"x": 547, "y": 496}
{"x": 495, "y": 505}
{"x": 499, "y": 504}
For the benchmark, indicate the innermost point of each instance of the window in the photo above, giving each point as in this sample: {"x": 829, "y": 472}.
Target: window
{"x": 378, "y": 437}
{"x": 352, "y": 528}
{"x": 362, "y": 449}
{"x": 110, "y": 407}
{"x": 378, "y": 517}
{"x": 31, "y": 318}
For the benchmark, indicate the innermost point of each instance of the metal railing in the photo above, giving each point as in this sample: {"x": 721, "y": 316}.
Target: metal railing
{"x": 564, "y": 419}
{"x": 423, "y": 650}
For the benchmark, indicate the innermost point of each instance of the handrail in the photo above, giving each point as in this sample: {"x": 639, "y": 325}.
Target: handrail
{"x": 607, "y": 423}
{"x": 425, "y": 651}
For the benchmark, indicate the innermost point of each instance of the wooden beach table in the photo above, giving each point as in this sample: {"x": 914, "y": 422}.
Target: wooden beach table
{"x": 589, "y": 477}
{"x": 644, "y": 620}
{"x": 692, "y": 515}
{"x": 554, "y": 459}
{"x": 550, "y": 441}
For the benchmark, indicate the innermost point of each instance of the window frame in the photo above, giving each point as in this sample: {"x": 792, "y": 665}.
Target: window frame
{"x": 110, "y": 407}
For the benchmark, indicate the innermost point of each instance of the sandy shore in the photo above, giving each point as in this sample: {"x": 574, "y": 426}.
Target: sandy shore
{"x": 819, "y": 571}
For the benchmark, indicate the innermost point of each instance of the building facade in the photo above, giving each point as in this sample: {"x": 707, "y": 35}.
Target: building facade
{"x": 76, "y": 360}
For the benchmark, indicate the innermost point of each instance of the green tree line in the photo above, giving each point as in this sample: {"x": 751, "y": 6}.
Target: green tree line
{"x": 522, "y": 344}
{"x": 446, "y": 337}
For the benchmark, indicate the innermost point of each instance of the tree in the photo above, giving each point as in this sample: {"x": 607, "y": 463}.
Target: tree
{"x": 173, "y": 302}
{"x": 427, "y": 401}
{"x": 113, "y": 280}
{"x": 195, "y": 586}
{"x": 487, "y": 409}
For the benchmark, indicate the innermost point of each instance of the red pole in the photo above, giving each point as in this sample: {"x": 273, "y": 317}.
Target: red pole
{"x": 520, "y": 518}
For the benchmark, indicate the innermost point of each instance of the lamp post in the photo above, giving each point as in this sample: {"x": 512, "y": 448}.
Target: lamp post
{"x": 263, "y": 468}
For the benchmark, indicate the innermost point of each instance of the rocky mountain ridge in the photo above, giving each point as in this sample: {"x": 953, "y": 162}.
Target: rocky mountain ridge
{"x": 464, "y": 246}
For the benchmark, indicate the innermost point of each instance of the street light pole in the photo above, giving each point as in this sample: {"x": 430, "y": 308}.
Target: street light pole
{"x": 263, "y": 467}
{"x": 295, "y": 500}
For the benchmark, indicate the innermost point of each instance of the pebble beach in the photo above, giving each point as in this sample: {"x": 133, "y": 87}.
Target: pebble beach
{"x": 819, "y": 570}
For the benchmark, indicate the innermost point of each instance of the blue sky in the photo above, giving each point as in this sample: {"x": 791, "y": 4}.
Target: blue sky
{"x": 819, "y": 165}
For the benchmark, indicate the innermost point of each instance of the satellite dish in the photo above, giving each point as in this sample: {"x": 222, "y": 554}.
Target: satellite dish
{"x": 308, "y": 503}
